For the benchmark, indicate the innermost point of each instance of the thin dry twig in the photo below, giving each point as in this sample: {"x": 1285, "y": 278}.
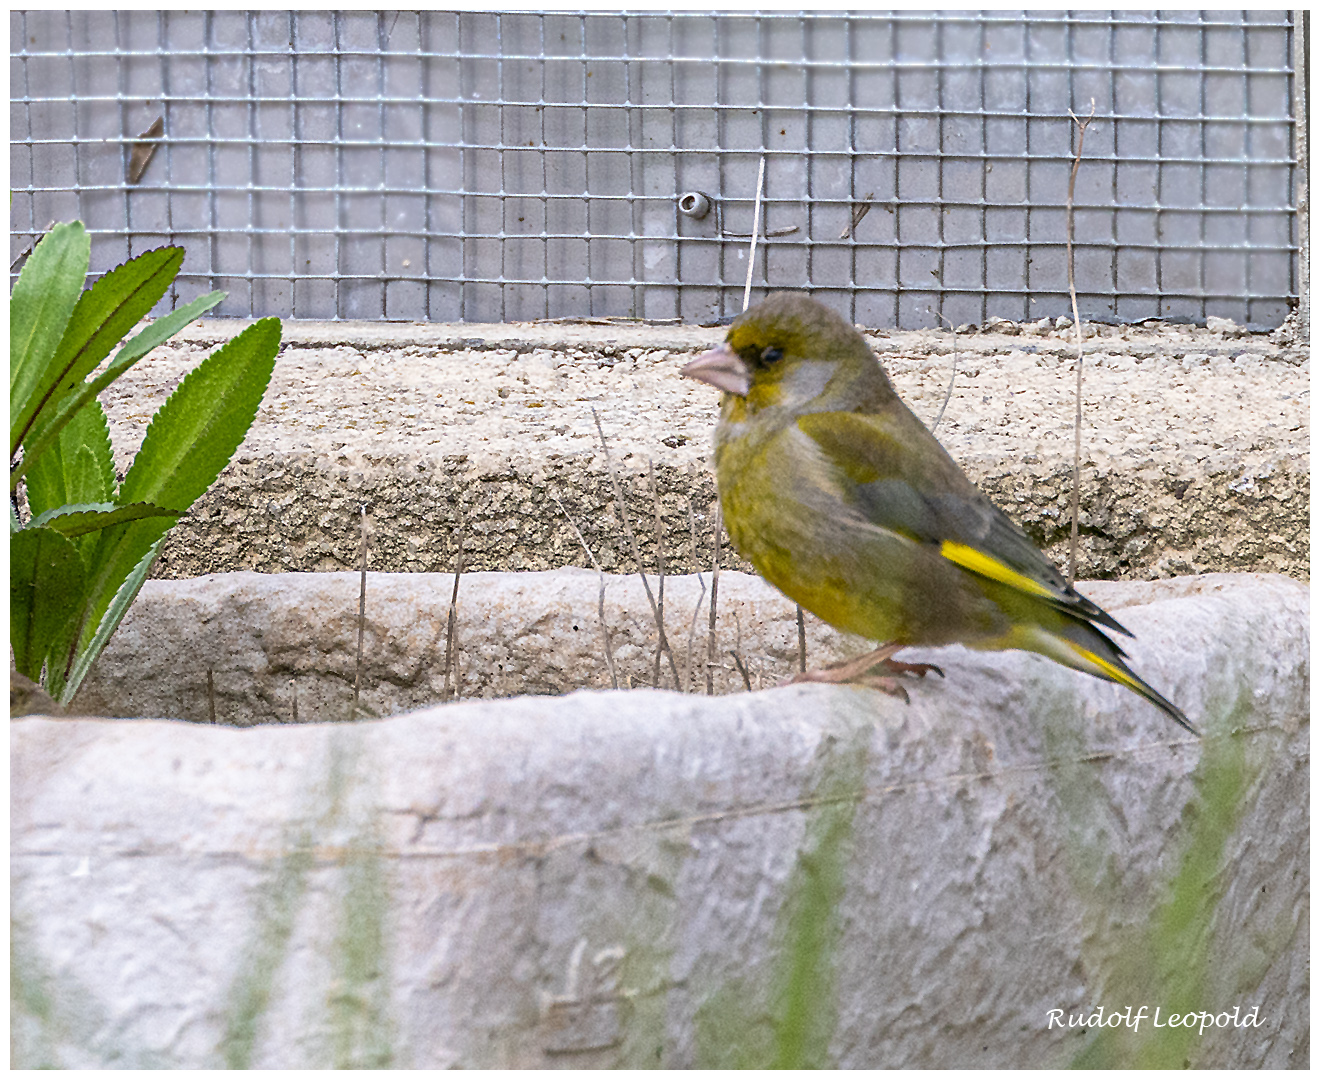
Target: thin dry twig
{"x": 714, "y": 598}
{"x": 293, "y": 690}
{"x": 756, "y": 228}
{"x": 737, "y": 661}
{"x": 600, "y": 599}
{"x": 953, "y": 374}
{"x": 692, "y": 636}
{"x": 787, "y": 230}
{"x": 696, "y": 610}
{"x": 660, "y": 566}
{"x": 802, "y": 640}
{"x": 736, "y": 652}
{"x": 36, "y": 239}
{"x": 632, "y": 542}
{"x": 1077, "y": 322}
{"x": 451, "y": 630}
{"x": 362, "y": 620}
{"x": 610, "y": 320}
{"x": 210, "y": 693}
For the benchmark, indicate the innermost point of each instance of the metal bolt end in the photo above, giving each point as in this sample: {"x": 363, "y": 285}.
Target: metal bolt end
{"x": 694, "y": 204}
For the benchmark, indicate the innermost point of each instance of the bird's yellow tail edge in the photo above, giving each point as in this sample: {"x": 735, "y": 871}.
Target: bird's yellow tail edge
{"x": 1113, "y": 671}
{"x": 1126, "y": 678}
{"x": 1080, "y": 658}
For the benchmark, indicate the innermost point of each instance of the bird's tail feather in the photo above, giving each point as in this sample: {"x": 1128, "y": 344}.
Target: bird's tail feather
{"x": 1084, "y": 648}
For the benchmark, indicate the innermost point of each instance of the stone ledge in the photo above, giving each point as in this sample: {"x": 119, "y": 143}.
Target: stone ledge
{"x": 266, "y": 636}
{"x": 810, "y": 875}
{"x": 1195, "y": 445}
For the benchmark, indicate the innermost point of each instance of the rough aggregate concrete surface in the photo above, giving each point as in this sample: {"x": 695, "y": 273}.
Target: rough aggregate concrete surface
{"x": 1195, "y": 444}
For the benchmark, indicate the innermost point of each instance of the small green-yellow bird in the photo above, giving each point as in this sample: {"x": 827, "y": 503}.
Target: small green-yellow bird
{"x": 842, "y": 500}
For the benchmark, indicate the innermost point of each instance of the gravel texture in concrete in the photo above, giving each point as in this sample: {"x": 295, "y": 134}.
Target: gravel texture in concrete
{"x": 1195, "y": 444}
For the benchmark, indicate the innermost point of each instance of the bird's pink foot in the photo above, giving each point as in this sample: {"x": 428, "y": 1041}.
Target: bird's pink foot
{"x": 875, "y": 669}
{"x": 901, "y": 667}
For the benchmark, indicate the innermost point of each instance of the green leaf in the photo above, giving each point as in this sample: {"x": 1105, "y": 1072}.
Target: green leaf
{"x": 78, "y": 467}
{"x": 46, "y": 579}
{"x": 117, "y": 551}
{"x": 79, "y": 520}
{"x": 164, "y": 328}
{"x": 103, "y": 315}
{"x": 195, "y": 433}
{"x": 65, "y": 689}
{"x": 39, "y": 310}
{"x": 191, "y": 438}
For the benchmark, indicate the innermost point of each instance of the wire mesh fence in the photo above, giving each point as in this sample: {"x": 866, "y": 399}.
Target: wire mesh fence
{"x": 500, "y": 166}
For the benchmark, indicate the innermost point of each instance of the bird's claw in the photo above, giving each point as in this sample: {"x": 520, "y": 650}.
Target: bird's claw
{"x": 886, "y": 684}
{"x": 875, "y": 670}
{"x": 900, "y": 667}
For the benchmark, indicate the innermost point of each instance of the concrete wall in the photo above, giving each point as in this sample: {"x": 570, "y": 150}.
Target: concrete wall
{"x": 1194, "y": 454}
{"x": 800, "y": 876}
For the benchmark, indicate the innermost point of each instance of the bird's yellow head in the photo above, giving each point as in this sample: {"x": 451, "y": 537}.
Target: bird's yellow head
{"x": 791, "y": 351}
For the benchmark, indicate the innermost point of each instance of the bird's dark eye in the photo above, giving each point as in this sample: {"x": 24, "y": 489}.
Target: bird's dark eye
{"x": 771, "y": 355}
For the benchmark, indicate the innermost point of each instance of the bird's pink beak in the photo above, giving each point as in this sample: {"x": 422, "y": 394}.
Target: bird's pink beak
{"x": 721, "y": 368}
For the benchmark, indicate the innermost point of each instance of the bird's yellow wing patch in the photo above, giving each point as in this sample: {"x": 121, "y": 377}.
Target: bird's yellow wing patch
{"x": 969, "y": 558}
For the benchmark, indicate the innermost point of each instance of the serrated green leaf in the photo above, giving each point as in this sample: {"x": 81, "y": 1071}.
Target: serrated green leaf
{"x": 109, "y": 623}
{"x": 46, "y": 579}
{"x": 117, "y": 551}
{"x": 164, "y": 328}
{"x": 191, "y": 438}
{"x": 78, "y": 468}
{"x": 195, "y": 433}
{"x": 103, "y": 315}
{"x": 43, "y": 299}
{"x": 79, "y": 520}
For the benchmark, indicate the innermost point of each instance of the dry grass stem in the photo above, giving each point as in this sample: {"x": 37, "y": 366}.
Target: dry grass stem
{"x": 36, "y": 239}
{"x": 756, "y": 228}
{"x": 451, "y": 630}
{"x": 362, "y": 622}
{"x": 1077, "y": 323}
{"x": 736, "y": 652}
{"x": 660, "y": 567}
{"x": 621, "y": 500}
{"x": 210, "y": 693}
{"x": 746, "y": 678}
{"x": 600, "y": 598}
{"x": 293, "y": 691}
{"x": 696, "y": 610}
{"x": 692, "y": 636}
{"x": 802, "y": 640}
{"x": 714, "y": 597}
{"x": 953, "y": 374}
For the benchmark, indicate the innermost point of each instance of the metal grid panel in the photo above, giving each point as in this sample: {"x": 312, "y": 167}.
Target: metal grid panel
{"x": 499, "y": 166}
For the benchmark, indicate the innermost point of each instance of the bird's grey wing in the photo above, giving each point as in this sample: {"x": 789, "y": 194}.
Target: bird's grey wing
{"x": 895, "y": 474}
